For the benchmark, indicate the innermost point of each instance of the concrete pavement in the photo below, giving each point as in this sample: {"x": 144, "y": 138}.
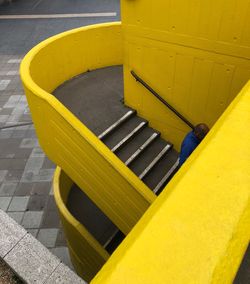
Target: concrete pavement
{"x": 25, "y": 171}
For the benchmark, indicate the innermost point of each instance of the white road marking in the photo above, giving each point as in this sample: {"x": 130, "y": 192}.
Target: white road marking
{"x": 9, "y": 73}
{"x": 12, "y": 73}
{"x": 4, "y": 84}
{"x": 57, "y": 16}
{"x": 12, "y": 101}
{"x": 17, "y": 60}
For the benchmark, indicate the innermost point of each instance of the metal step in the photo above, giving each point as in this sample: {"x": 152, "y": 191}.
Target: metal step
{"x": 160, "y": 170}
{"x": 114, "y": 241}
{"x": 155, "y": 161}
{"x": 114, "y": 126}
{"x": 130, "y": 148}
{"x": 143, "y": 147}
{"x": 142, "y": 150}
{"x": 149, "y": 154}
{"x": 126, "y": 139}
{"x": 111, "y": 238}
{"x": 166, "y": 177}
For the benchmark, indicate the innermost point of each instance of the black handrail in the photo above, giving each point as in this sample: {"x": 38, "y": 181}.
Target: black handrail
{"x": 138, "y": 79}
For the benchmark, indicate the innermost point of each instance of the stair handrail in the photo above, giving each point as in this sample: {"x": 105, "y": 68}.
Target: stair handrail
{"x": 138, "y": 79}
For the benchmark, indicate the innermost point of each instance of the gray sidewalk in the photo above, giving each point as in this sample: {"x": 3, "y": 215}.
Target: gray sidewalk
{"x": 25, "y": 172}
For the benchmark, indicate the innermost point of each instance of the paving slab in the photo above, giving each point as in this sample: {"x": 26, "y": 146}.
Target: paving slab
{"x": 64, "y": 275}
{"x": 10, "y": 234}
{"x": 63, "y": 254}
{"x": 2, "y": 175}
{"x": 41, "y": 188}
{"x": 4, "y": 203}
{"x": 31, "y": 260}
{"x": 51, "y": 219}
{"x": 23, "y": 189}
{"x": 18, "y": 203}
{"x": 37, "y": 202}
{"x": 48, "y": 237}
{"x": 17, "y": 216}
{"x": 33, "y": 232}
{"x": 8, "y": 188}
{"x": 32, "y": 219}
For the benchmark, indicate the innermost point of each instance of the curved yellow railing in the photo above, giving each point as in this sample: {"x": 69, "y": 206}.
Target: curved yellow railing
{"x": 67, "y": 142}
{"x": 87, "y": 255}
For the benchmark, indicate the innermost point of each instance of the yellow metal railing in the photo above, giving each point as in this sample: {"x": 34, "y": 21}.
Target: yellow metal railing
{"x": 73, "y": 147}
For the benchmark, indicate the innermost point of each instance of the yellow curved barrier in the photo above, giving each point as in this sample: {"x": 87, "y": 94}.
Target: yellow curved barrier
{"x": 105, "y": 179}
{"x": 87, "y": 255}
{"x": 199, "y": 227}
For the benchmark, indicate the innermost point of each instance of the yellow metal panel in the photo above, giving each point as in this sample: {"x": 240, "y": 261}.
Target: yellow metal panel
{"x": 86, "y": 253}
{"x": 103, "y": 177}
{"x": 211, "y": 37}
{"x": 162, "y": 23}
{"x": 211, "y": 19}
{"x": 178, "y": 16}
{"x": 182, "y": 81}
{"x": 243, "y": 37}
{"x": 219, "y": 91}
{"x": 241, "y": 75}
{"x": 202, "y": 73}
{"x": 198, "y": 228}
{"x": 199, "y": 84}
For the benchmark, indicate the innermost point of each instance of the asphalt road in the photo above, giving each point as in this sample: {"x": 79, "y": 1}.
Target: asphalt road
{"x": 18, "y": 36}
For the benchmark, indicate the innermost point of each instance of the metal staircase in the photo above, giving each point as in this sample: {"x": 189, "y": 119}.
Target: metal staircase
{"x": 142, "y": 149}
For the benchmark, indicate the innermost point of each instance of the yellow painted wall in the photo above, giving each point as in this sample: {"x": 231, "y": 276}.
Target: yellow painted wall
{"x": 195, "y": 53}
{"x": 199, "y": 227}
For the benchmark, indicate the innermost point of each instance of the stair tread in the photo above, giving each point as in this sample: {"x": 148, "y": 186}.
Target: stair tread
{"x": 115, "y": 241}
{"x": 127, "y": 151}
{"x": 133, "y": 133}
{"x": 142, "y": 148}
{"x": 160, "y": 170}
{"x": 114, "y": 138}
{"x": 164, "y": 180}
{"x": 148, "y": 156}
{"x": 117, "y": 124}
{"x": 155, "y": 161}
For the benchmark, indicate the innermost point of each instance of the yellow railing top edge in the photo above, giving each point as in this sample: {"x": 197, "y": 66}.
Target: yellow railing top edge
{"x": 73, "y": 121}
